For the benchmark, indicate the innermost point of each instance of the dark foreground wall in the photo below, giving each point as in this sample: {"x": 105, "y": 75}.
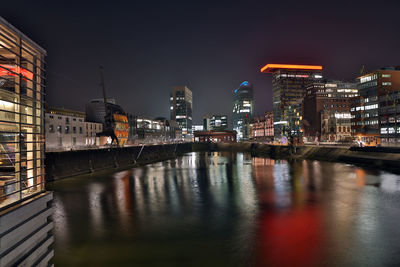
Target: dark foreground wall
{"x": 70, "y": 163}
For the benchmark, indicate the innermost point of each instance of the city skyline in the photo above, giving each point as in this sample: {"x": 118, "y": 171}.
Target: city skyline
{"x": 216, "y": 48}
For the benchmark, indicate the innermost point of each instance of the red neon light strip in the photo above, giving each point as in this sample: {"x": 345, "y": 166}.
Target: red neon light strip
{"x": 14, "y": 70}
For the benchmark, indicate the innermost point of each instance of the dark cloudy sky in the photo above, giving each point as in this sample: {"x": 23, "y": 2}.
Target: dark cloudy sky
{"x": 146, "y": 47}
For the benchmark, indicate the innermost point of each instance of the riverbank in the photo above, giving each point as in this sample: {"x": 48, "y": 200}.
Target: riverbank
{"x": 65, "y": 164}
{"x": 378, "y": 158}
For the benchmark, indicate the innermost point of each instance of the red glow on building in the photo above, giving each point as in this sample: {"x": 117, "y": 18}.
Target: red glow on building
{"x": 13, "y": 70}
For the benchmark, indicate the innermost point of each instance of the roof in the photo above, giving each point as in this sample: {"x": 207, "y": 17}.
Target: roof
{"x": 10, "y": 27}
{"x": 270, "y": 68}
{"x": 65, "y": 112}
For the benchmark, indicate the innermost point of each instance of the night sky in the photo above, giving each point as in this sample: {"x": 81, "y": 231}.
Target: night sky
{"x": 149, "y": 46}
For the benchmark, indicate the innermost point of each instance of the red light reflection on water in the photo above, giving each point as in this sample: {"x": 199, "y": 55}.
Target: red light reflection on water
{"x": 289, "y": 234}
{"x": 290, "y": 238}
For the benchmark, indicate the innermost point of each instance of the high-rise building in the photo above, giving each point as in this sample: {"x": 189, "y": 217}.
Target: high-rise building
{"x": 289, "y": 83}
{"x": 376, "y": 111}
{"x": 333, "y": 99}
{"x": 181, "y": 108}
{"x": 25, "y": 206}
{"x": 243, "y": 108}
{"x": 218, "y": 122}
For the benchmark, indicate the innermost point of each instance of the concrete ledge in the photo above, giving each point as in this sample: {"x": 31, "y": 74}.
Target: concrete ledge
{"x": 71, "y": 163}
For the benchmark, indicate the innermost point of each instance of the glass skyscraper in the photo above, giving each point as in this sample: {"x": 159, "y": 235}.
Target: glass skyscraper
{"x": 243, "y": 108}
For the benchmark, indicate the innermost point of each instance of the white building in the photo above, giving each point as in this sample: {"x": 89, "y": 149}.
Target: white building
{"x": 67, "y": 129}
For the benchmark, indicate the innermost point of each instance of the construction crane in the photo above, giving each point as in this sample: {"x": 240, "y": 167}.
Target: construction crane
{"x": 115, "y": 120}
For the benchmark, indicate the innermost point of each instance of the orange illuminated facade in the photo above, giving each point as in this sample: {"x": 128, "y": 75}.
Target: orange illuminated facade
{"x": 121, "y": 128}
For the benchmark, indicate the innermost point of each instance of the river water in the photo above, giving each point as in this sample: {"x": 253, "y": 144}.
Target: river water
{"x": 229, "y": 209}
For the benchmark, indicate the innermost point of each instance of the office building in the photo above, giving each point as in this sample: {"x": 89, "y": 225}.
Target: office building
{"x": 181, "y": 108}
{"x": 67, "y": 129}
{"x": 243, "y": 108}
{"x": 326, "y": 110}
{"x": 376, "y": 110}
{"x": 159, "y": 130}
{"x": 25, "y": 206}
{"x": 197, "y": 128}
{"x": 262, "y": 128}
{"x": 218, "y": 122}
{"x": 215, "y": 136}
{"x": 289, "y": 83}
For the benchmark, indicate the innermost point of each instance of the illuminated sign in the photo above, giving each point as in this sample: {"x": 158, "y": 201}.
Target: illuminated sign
{"x": 272, "y": 67}
{"x": 14, "y": 70}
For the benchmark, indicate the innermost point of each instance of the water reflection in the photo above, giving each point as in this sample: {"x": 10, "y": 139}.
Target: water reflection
{"x": 229, "y": 209}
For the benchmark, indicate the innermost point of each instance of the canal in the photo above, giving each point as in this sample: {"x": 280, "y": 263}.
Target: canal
{"x": 229, "y": 209}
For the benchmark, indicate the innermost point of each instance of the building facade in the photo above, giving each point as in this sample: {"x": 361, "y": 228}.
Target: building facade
{"x": 25, "y": 206}
{"x": 67, "y": 129}
{"x": 160, "y": 130}
{"x": 243, "y": 109}
{"x": 289, "y": 83}
{"x": 262, "y": 128}
{"x": 376, "y": 110}
{"x": 215, "y": 136}
{"x": 181, "y": 108}
{"x": 218, "y": 122}
{"x": 112, "y": 117}
{"x": 197, "y": 128}
{"x": 206, "y": 123}
{"x": 334, "y": 100}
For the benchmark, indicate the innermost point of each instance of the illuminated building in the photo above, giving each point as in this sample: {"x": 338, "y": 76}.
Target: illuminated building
{"x": 66, "y": 129}
{"x": 289, "y": 83}
{"x": 215, "y": 136}
{"x": 262, "y": 128}
{"x": 243, "y": 108}
{"x": 144, "y": 130}
{"x": 218, "y": 122}
{"x": 26, "y": 209}
{"x": 181, "y": 108}
{"x": 114, "y": 120}
{"x": 326, "y": 110}
{"x": 197, "y": 128}
{"x": 376, "y": 110}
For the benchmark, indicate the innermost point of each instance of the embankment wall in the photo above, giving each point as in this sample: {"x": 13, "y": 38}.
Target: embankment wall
{"x": 77, "y": 162}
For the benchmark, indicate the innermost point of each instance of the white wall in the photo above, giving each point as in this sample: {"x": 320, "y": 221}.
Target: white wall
{"x": 66, "y": 132}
